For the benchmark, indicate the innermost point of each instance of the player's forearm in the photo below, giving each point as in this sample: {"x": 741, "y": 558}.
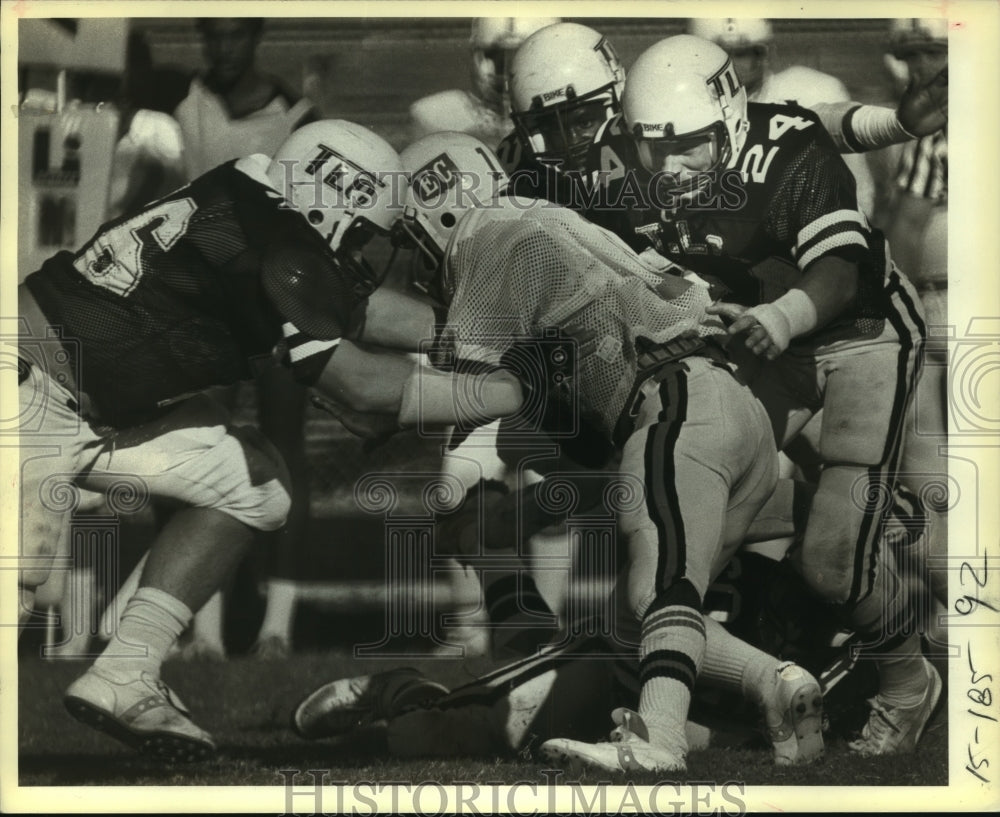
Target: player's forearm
{"x": 365, "y": 379}
{"x": 396, "y": 320}
{"x": 432, "y": 397}
{"x": 832, "y": 285}
{"x": 381, "y": 381}
{"x": 858, "y": 128}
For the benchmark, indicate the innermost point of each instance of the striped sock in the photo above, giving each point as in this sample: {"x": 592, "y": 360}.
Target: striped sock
{"x": 150, "y": 625}
{"x": 673, "y": 643}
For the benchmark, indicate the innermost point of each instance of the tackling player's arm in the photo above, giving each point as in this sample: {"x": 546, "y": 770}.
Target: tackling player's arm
{"x": 322, "y": 306}
{"x": 855, "y": 128}
{"x": 396, "y": 319}
{"x": 814, "y": 213}
{"x": 369, "y": 380}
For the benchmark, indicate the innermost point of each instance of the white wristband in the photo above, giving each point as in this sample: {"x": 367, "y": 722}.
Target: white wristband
{"x": 793, "y": 314}
{"x": 875, "y": 127}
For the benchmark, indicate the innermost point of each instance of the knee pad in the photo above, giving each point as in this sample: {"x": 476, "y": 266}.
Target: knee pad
{"x": 262, "y": 498}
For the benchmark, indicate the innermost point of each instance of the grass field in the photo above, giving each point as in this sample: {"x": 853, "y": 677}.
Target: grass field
{"x": 246, "y": 705}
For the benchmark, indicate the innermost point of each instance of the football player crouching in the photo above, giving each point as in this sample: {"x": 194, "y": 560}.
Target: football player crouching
{"x": 120, "y": 339}
{"x": 646, "y": 374}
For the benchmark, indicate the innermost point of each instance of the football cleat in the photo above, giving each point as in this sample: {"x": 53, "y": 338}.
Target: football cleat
{"x": 628, "y": 750}
{"x": 794, "y": 716}
{"x": 348, "y": 703}
{"x": 142, "y": 712}
{"x": 897, "y": 729}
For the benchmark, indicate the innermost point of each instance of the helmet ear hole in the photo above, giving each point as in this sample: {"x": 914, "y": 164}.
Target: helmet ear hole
{"x": 448, "y": 220}
{"x": 315, "y": 217}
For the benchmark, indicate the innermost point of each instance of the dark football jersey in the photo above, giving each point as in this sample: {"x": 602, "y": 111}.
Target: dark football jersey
{"x": 532, "y": 179}
{"x": 188, "y": 292}
{"x": 789, "y": 201}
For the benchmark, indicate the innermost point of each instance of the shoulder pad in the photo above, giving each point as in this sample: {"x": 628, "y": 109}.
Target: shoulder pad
{"x": 615, "y": 126}
{"x": 447, "y": 110}
{"x": 805, "y": 86}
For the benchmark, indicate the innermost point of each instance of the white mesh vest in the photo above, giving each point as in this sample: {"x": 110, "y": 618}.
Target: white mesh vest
{"x": 516, "y": 270}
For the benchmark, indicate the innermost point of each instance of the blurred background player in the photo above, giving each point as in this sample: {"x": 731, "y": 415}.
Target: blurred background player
{"x": 750, "y": 42}
{"x": 916, "y": 224}
{"x": 233, "y": 110}
{"x": 482, "y": 112}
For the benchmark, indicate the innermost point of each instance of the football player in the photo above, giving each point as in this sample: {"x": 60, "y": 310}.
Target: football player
{"x": 566, "y": 81}
{"x": 120, "y": 337}
{"x": 625, "y": 373}
{"x": 482, "y": 111}
{"x": 721, "y": 185}
{"x": 750, "y": 42}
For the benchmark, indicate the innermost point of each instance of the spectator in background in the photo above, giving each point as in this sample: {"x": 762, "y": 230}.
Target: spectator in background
{"x": 148, "y": 161}
{"x": 749, "y": 41}
{"x": 916, "y": 225}
{"x": 484, "y": 111}
{"x": 234, "y": 110}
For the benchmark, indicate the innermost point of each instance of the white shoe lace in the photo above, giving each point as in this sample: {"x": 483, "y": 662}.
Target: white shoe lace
{"x": 879, "y": 727}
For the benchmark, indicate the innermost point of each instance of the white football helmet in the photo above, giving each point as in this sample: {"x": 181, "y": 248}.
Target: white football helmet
{"x": 345, "y": 179}
{"x": 908, "y": 35}
{"x": 493, "y": 41}
{"x": 732, "y": 33}
{"x": 565, "y": 81}
{"x": 746, "y": 40}
{"x": 450, "y": 173}
{"x": 681, "y": 89}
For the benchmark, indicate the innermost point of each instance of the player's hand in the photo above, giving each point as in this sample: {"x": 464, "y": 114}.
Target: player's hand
{"x": 365, "y": 425}
{"x": 727, "y": 311}
{"x": 923, "y": 109}
{"x": 767, "y": 333}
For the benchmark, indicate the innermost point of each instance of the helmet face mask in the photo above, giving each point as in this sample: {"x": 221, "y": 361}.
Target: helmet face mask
{"x": 696, "y": 157}
{"x": 566, "y": 81}
{"x": 681, "y": 89}
{"x": 562, "y": 133}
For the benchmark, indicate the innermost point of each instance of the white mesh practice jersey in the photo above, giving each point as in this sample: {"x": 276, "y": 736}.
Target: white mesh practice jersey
{"x": 518, "y": 271}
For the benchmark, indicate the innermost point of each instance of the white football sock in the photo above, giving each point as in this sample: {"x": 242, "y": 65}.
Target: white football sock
{"x": 280, "y": 611}
{"x": 150, "y": 625}
{"x": 731, "y": 663}
{"x": 902, "y": 679}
